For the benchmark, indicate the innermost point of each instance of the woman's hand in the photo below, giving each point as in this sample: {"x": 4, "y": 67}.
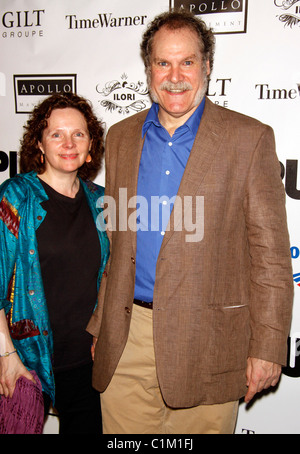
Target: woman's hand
{"x": 11, "y": 368}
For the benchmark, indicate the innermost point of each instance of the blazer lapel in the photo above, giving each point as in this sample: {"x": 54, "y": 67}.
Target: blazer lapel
{"x": 134, "y": 142}
{"x": 206, "y": 146}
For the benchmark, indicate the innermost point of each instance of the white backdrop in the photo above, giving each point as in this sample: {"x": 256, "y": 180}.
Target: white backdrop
{"x": 92, "y": 47}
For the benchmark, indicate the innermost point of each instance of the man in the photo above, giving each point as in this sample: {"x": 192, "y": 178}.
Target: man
{"x": 195, "y": 308}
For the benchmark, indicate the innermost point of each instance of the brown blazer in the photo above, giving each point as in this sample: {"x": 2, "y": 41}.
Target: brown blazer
{"x": 216, "y": 301}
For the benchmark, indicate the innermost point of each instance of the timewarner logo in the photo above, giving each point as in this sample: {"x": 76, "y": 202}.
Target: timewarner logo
{"x": 212, "y": 12}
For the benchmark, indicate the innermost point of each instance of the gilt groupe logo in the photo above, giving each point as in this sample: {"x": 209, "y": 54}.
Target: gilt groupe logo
{"x": 290, "y": 12}
{"x": 223, "y": 16}
{"x": 123, "y": 96}
{"x": 22, "y": 24}
{"x": 31, "y": 89}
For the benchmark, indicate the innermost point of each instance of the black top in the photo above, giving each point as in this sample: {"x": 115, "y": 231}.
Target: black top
{"x": 70, "y": 256}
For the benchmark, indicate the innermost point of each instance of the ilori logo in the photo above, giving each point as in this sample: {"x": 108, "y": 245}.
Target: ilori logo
{"x": 290, "y": 12}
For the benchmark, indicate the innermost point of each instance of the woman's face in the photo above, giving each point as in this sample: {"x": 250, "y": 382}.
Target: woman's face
{"x": 65, "y": 141}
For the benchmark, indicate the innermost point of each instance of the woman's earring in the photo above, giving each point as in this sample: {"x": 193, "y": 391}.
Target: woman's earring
{"x": 88, "y": 158}
{"x": 42, "y": 158}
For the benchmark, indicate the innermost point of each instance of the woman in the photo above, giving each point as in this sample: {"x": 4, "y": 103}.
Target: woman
{"x": 52, "y": 259}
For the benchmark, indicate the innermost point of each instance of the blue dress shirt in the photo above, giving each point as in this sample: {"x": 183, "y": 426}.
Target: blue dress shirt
{"x": 162, "y": 165}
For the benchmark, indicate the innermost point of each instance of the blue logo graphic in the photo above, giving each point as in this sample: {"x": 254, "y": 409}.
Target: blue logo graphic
{"x": 297, "y": 278}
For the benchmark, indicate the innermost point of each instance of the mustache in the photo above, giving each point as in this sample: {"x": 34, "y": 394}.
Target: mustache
{"x": 179, "y": 86}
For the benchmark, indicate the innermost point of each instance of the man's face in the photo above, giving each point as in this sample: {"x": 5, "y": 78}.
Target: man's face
{"x": 178, "y": 77}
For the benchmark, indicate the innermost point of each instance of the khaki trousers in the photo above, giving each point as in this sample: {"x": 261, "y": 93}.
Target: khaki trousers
{"x": 133, "y": 404}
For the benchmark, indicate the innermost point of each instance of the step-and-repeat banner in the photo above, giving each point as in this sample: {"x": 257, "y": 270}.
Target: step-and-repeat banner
{"x": 92, "y": 47}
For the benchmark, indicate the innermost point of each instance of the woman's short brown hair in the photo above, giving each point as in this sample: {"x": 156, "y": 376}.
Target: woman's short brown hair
{"x": 174, "y": 20}
{"x": 30, "y": 154}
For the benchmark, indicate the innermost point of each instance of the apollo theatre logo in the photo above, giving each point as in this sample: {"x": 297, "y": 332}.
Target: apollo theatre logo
{"x": 291, "y": 12}
{"x": 122, "y": 96}
{"x": 31, "y": 89}
{"x": 223, "y": 16}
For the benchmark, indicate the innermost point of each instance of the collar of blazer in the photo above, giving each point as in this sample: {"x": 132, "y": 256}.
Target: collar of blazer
{"x": 206, "y": 146}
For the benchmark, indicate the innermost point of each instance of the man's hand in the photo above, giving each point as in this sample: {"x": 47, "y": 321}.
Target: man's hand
{"x": 260, "y": 375}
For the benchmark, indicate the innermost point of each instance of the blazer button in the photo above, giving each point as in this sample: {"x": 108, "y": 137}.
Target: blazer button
{"x": 39, "y": 218}
{"x": 133, "y": 260}
{"x": 127, "y": 309}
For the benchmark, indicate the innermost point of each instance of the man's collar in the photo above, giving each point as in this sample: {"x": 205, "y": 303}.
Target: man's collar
{"x": 152, "y": 117}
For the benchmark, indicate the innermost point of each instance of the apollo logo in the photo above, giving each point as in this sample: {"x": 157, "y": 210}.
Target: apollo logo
{"x": 31, "y": 89}
{"x": 223, "y": 16}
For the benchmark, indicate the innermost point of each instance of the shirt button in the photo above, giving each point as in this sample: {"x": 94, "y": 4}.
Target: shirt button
{"x": 170, "y": 144}
{"x": 167, "y": 172}
{"x": 31, "y": 252}
{"x": 31, "y": 292}
{"x": 45, "y": 332}
{"x": 39, "y": 218}
{"x": 162, "y": 233}
{"x": 164, "y": 202}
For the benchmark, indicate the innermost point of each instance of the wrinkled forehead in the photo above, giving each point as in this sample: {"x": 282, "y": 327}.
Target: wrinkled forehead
{"x": 169, "y": 41}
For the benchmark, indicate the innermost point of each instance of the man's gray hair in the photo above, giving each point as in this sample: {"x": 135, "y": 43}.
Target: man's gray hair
{"x": 174, "y": 20}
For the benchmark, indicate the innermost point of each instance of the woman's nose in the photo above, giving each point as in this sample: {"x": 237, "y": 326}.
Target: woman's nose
{"x": 68, "y": 141}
